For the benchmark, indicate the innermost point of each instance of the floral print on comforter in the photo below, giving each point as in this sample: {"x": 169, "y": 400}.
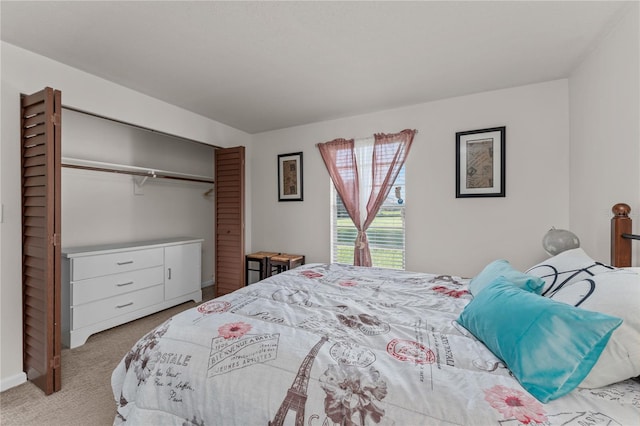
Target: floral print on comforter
{"x": 336, "y": 344}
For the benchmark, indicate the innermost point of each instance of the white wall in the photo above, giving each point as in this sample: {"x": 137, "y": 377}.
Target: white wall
{"x": 605, "y": 136}
{"x": 26, "y": 72}
{"x": 445, "y": 234}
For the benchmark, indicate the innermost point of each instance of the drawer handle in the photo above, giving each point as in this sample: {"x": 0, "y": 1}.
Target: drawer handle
{"x": 123, "y": 284}
{"x": 128, "y": 262}
{"x": 125, "y": 305}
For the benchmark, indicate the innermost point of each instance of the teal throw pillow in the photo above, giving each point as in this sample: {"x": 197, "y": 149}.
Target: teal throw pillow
{"x": 503, "y": 268}
{"x": 549, "y": 346}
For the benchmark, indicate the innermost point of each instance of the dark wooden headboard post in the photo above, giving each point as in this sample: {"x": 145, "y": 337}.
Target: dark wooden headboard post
{"x": 620, "y": 246}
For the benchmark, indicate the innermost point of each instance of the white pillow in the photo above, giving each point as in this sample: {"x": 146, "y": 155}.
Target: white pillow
{"x": 617, "y": 294}
{"x": 566, "y": 268}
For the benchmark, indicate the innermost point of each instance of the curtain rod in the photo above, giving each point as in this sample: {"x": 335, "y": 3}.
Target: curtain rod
{"x": 415, "y": 132}
{"x": 631, "y": 236}
{"x": 115, "y": 120}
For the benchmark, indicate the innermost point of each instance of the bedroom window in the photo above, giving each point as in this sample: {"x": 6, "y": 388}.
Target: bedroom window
{"x": 364, "y": 172}
{"x": 386, "y": 233}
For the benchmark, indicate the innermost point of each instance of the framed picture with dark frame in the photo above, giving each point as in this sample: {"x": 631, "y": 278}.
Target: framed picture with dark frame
{"x": 290, "y": 177}
{"x": 480, "y": 163}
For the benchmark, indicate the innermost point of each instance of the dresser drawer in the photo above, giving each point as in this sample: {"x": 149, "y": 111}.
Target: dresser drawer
{"x": 98, "y": 288}
{"x": 101, "y": 310}
{"x": 113, "y": 263}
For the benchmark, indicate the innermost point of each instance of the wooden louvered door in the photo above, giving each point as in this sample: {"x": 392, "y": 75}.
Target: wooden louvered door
{"x": 40, "y": 140}
{"x": 229, "y": 211}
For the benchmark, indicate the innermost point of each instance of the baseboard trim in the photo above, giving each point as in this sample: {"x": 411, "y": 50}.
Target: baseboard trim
{"x": 13, "y": 381}
{"x": 207, "y": 283}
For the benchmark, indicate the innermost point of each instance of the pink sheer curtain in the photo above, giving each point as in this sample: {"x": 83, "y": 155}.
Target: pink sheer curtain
{"x": 340, "y": 158}
{"x": 389, "y": 154}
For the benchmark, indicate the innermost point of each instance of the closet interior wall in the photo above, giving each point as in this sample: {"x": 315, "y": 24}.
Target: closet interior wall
{"x": 101, "y": 207}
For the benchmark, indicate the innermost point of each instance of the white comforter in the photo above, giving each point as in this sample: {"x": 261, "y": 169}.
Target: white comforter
{"x": 336, "y": 344}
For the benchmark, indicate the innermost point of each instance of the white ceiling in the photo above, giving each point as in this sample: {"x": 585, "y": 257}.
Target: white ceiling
{"x": 259, "y": 66}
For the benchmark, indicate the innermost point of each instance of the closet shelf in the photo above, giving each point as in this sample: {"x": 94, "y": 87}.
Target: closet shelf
{"x": 145, "y": 172}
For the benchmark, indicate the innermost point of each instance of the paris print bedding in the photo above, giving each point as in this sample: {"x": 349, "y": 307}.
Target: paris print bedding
{"x": 339, "y": 345}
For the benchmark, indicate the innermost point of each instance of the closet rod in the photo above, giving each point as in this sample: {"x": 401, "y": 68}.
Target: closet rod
{"x": 115, "y": 120}
{"x": 126, "y": 172}
{"x": 141, "y": 171}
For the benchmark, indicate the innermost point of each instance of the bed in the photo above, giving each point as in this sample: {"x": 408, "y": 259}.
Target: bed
{"x": 327, "y": 344}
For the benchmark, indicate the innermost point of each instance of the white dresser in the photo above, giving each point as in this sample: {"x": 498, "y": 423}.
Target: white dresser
{"x": 108, "y": 285}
